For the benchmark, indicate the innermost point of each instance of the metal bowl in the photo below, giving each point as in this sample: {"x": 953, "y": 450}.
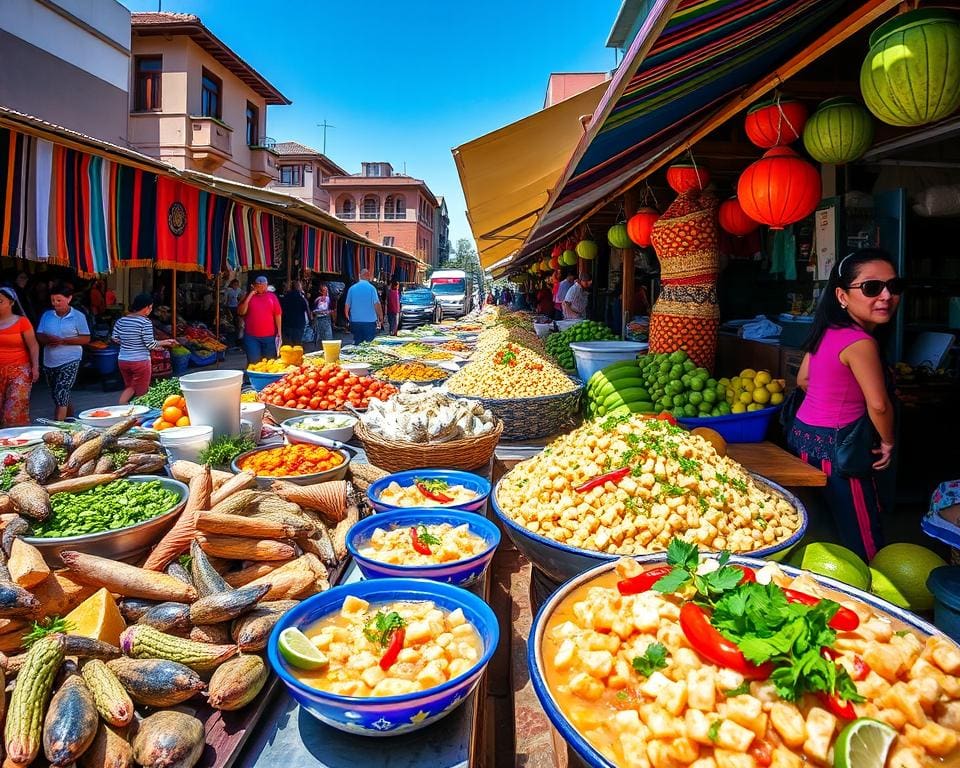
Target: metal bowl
{"x": 337, "y": 473}
{"x": 120, "y": 544}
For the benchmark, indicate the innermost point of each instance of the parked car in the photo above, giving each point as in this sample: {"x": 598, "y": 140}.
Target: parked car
{"x": 419, "y": 306}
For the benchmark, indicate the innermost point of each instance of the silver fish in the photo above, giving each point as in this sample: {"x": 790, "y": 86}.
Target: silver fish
{"x": 41, "y": 464}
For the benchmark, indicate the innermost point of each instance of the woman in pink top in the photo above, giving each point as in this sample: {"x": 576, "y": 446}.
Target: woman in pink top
{"x": 843, "y": 377}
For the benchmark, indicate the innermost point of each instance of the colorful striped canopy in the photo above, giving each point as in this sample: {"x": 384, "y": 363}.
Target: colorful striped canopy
{"x": 708, "y": 52}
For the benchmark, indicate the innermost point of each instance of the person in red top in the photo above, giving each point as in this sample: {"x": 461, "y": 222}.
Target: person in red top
{"x": 393, "y": 306}
{"x": 19, "y": 361}
{"x": 262, "y": 315}
{"x": 545, "y": 301}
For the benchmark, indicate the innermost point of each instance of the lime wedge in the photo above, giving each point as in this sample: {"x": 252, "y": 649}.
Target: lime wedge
{"x": 863, "y": 743}
{"x": 297, "y": 649}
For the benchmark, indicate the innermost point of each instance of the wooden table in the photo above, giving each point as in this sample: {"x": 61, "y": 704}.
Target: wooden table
{"x": 774, "y": 463}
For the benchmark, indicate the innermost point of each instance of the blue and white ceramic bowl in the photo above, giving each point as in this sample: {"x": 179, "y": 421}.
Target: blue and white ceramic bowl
{"x": 468, "y": 480}
{"x": 561, "y": 562}
{"x": 386, "y": 715}
{"x": 460, "y": 572}
{"x": 577, "y": 741}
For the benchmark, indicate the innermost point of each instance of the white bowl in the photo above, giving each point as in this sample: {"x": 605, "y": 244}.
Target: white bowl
{"x": 357, "y": 369}
{"x": 343, "y": 434}
{"x": 117, "y": 414}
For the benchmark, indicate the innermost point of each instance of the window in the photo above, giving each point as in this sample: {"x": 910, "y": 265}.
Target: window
{"x": 371, "y": 208}
{"x": 400, "y": 207}
{"x": 210, "y": 96}
{"x": 290, "y": 175}
{"x": 147, "y": 83}
{"x": 388, "y": 240}
{"x": 253, "y": 125}
{"x": 346, "y": 209}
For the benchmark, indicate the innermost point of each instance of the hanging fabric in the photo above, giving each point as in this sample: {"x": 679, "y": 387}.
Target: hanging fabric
{"x": 250, "y": 243}
{"x": 14, "y": 163}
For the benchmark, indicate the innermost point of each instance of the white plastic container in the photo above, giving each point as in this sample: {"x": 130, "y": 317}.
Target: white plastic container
{"x": 185, "y": 443}
{"x": 562, "y": 325}
{"x": 542, "y": 329}
{"x": 253, "y": 412}
{"x": 591, "y": 356}
{"x": 213, "y": 398}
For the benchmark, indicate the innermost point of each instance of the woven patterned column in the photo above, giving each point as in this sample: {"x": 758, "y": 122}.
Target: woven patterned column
{"x": 686, "y": 315}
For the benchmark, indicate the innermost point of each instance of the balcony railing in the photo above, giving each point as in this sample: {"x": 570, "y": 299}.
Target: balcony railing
{"x": 348, "y": 215}
{"x": 265, "y": 142}
{"x": 367, "y": 215}
{"x": 395, "y": 216}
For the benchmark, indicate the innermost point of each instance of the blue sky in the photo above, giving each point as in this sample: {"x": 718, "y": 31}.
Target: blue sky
{"x": 406, "y": 82}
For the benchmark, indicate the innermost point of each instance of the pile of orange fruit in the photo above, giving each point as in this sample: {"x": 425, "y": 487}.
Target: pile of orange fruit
{"x": 174, "y": 413}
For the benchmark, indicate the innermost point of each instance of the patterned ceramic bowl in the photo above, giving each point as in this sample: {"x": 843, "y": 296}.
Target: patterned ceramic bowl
{"x": 387, "y": 715}
{"x": 459, "y": 572}
{"x": 468, "y": 480}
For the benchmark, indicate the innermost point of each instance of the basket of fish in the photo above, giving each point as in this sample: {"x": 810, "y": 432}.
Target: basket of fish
{"x": 426, "y": 427}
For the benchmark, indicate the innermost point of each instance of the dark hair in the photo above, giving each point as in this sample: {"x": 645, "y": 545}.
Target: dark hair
{"x": 394, "y": 283}
{"x": 829, "y": 313}
{"x": 62, "y": 289}
{"x": 141, "y": 301}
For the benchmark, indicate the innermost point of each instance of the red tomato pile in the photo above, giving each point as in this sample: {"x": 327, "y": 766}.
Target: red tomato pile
{"x": 325, "y": 388}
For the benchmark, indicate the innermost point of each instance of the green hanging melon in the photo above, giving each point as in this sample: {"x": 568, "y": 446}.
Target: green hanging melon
{"x": 617, "y": 236}
{"x": 568, "y": 258}
{"x": 839, "y": 132}
{"x": 911, "y": 75}
{"x": 586, "y": 249}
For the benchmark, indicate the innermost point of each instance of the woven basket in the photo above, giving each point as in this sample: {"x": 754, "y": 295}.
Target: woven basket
{"x": 530, "y": 418}
{"x": 397, "y": 456}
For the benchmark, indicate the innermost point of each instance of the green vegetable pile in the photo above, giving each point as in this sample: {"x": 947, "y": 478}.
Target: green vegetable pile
{"x": 558, "y": 344}
{"x": 9, "y": 472}
{"x": 109, "y": 507}
{"x": 367, "y": 353}
{"x": 225, "y": 449}
{"x": 676, "y": 384}
{"x": 159, "y": 391}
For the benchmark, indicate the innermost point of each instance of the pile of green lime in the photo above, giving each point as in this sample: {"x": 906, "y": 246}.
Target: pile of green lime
{"x": 676, "y": 384}
{"x": 558, "y": 344}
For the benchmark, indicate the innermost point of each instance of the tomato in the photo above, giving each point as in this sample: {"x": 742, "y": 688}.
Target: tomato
{"x": 303, "y": 391}
{"x": 289, "y": 393}
{"x": 290, "y": 404}
{"x": 315, "y": 404}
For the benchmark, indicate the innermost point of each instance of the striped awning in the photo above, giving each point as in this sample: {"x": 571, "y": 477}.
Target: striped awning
{"x": 690, "y": 59}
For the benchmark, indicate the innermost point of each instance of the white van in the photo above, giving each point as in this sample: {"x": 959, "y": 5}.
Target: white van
{"x": 453, "y": 288}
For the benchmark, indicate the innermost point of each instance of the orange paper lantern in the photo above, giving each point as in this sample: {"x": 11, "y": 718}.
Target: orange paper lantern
{"x": 554, "y": 262}
{"x": 686, "y": 177}
{"x": 775, "y": 124}
{"x": 557, "y": 250}
{"x": 779, "y": 188}
{"x": 640, "y": 225}
{"x": 733, "y": 220}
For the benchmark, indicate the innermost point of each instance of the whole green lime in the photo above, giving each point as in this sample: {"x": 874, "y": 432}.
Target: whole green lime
{"x": 906, "y": 567}
{"x": 834, "y": 561}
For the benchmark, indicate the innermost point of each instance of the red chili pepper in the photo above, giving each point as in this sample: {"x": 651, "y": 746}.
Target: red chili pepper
{"x": 436, "y": 496}
{"x": 614, "y": 477}
{"x": 761, "y": 753}
{"x": 714, "y": 647}
{"x": 418, "y": 545}
{"x": 643, "y": 582}
{"x": 667, "y": 417}
{"x": 749, "y": 576}
{"x": 829, "y": 654}
{"x": 393, "y": 650}
{"x": 860, "y": 669}
{"x": 837, "y": 706}
{"x": 844, "y": 620}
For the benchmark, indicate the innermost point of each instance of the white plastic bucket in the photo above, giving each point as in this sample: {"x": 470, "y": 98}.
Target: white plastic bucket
{"x": 213, "y": 398}
{"x": 542, "y": 329}
{"x": 185, "y": 443}
{"x": 253, "y": 412}
{"x": 591, "y": 356}
{"x": 562, "y": 325}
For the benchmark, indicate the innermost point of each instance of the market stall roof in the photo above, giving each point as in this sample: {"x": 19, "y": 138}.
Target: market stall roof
{"x": 275, "y": 202}
{"x": 692, "y": 66}
{"x": 507, "y": 175}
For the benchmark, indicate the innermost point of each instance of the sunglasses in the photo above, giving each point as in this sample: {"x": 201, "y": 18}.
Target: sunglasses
{"x": 873, "y": 288}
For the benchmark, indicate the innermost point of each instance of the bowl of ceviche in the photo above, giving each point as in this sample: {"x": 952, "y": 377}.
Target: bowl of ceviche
{"x": 386, "y": 656}
{"x": 301, "y": 463}
{"x": 333, "y": 425}
{"x": 448, "y": 488}
{"x": 448, "y": 545}
{"x": 699, "y": 672}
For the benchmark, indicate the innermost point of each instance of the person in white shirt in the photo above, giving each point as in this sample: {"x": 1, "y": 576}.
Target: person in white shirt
{"x": 561, "y": 293}
{"x": 575, "y": 302}
{"x": 62, "y": 331}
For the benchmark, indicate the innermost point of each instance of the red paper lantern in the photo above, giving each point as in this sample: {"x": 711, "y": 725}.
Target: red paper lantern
{"x": 733, "y": 220}
{"x": 554, "y": 262}
{"x": 774, "y": 124}
{"x": 779, "y": 188}
{"x": 640, "y": 225}
{"x": 557, "y": 250}
{"x": 686, "y": 177}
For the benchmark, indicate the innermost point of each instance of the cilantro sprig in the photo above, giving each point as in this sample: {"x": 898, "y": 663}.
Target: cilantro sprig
{"x": 379, "y": 629}
{"x": 654, "y": 658}
{"x": 685, "y": 558}
{"x": 426, "y": 537}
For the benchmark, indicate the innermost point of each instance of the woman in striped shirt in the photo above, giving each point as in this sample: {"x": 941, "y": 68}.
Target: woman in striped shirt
{"x": 134, "y": 333}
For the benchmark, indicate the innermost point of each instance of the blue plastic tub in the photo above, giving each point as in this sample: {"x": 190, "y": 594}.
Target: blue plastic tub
{"x": 750, "y": 427}
{"x": 105, "y": 360}
{"x": 180, "y": 364}
{"x": 260, "y": 380}
{"x": 944, "y": 582}
{"x": 201, "y": 361}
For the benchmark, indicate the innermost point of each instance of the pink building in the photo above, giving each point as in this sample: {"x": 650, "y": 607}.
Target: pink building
{"x": 301, "y": 172}
{"x": 388, "y": 208}
{"x": 563, "y": 85}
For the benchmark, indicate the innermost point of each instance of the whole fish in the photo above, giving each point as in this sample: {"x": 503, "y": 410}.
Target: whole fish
{"x": 31, "y": 500}
{"x": 88, "y": 451}
{"x": 16, "y": 601}
{"x": 14, "y": 528}
{"x": 113, "y": 432}
{"x": 41, "y": 463}
{"x": 206, "y": 580}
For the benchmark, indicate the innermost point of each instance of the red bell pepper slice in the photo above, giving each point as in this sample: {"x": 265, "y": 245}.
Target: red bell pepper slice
{"x": 844, "y": 620}
{"x": 614, "y": 477}
{"x": 837, "y": 706}
{"x": 435, "y": 496}
{"x": 418, "y": 545}
{"x": 714, "y": 647}
{"x": 860, "y": 669}
{"x": 393, "y": 650}
{"x": 643, "y": 582}
{"x": 667, "y": 417}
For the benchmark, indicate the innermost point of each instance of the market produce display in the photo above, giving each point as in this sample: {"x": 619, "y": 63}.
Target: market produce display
{"x": 116, "y": 504}
{"x": 426, "y": 493}
{"x": 752, "y": 391}
{"x": 427, "y": 415}
{"x": 272, "y": 366}
{"x": 456, "y": 346}
{"x": 510, "y": 371}
{"x": 628, "y": 485}
{"x": 173, "y": 413}
{"x": 291, "y": 461}
{"x": 158, "y": 392}
{"x": 410, "y": 349}
{"x": 558, "y": 344}
{"x": 415, "y": 372}
{"x": 494, "y": 338}
{"x": 422, "y": 544}
{"x": 374, "y": 356}
{"x": 225, "y": 449}
{"x": 324, "y": 388}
